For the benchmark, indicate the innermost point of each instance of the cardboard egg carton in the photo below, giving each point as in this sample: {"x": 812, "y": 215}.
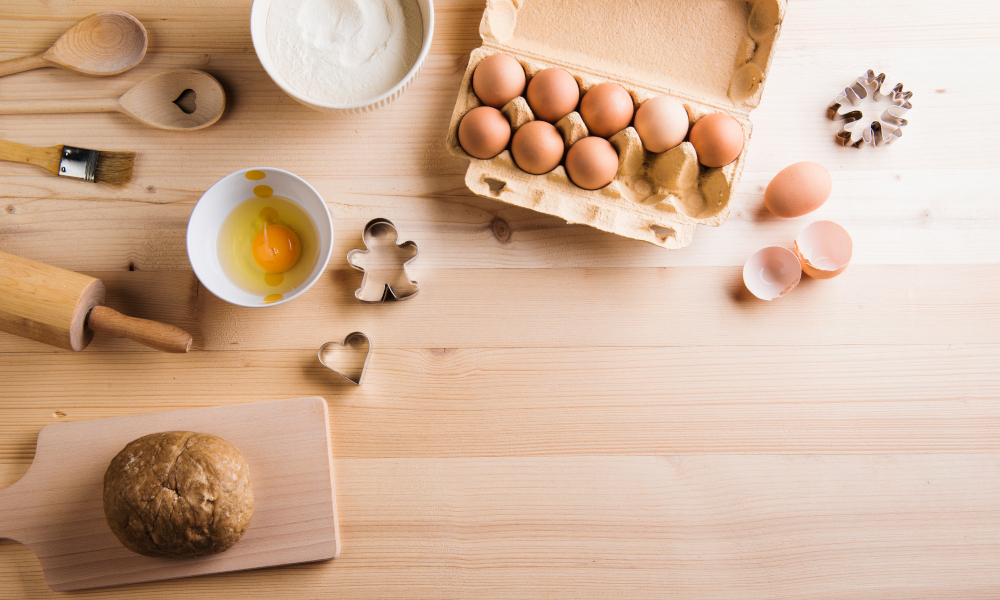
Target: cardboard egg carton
{"x": 712, "y": 56}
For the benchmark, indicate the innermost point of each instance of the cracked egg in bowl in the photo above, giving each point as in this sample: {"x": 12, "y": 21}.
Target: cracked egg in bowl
{"x": 259, "y": 237}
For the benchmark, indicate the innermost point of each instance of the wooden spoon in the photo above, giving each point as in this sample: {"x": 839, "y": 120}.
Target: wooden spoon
{"x": 105, "y": 43}
{"x": 181, "y": 100}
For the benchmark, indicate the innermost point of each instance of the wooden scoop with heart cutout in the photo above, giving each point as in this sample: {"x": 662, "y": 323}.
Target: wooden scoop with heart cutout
{"x": 64, "y": 309}
{"x": 179, "y": 100}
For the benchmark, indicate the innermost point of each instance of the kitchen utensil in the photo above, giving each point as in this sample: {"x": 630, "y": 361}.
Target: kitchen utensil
{"x": 225, "y": 195}
{"x": 73, "y": 163}
{"x": 353, "y": 339}
{"x": 65, "y": 309}
{"x": 57, "y": 509}
{"x": 882, "y": 129}
{"x": 105, "y": 43}
{"x": 382, "y": 228}
{"x": 258, "y": 33}
{"x": 156, "y": 101}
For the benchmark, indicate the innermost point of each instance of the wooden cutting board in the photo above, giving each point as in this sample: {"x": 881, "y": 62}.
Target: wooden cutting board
{"x": 57, "y": 510}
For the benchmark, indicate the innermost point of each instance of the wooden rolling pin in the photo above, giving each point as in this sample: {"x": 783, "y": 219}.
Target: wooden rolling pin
{"x": 65, "y": 309}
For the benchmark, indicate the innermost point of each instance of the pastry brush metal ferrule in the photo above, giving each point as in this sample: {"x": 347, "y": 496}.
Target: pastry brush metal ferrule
{"x": 72, "y": 162}
{"x": 78, "y": 163}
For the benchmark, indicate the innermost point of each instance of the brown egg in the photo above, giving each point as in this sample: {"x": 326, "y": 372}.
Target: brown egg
{"x": 662, "y": 123}
{"x": 592, "y": 163}
{"x": 798, "y": 189}
{"x": 717, "y": 139}
{"x": 498, "y": 80}
{"x": 537, "y": 147}
{"x": 606, "y": 109}
{"x": 484, "y": 132}
{"x": 552, "y": 94}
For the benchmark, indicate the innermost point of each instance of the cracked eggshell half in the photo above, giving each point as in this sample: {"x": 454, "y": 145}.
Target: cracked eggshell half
{"x": 772, "y": 272}
{"x": 824, "y": 249}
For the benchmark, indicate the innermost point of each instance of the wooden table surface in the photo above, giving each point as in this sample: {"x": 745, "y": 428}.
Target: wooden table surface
{"x": 562, "y": 412}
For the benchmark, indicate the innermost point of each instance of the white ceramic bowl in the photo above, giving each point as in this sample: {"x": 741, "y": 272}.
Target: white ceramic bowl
{"x": 258, "y": 22}
{"x": 220, "y": 199}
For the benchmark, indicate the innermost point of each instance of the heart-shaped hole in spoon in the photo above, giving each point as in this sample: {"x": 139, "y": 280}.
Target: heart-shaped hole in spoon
{"x": 348, "y": 359}
{"x": 186, "y": 101}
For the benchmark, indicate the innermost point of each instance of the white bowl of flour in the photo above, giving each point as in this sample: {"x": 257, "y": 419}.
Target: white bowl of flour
{"x": 345, "y": 56}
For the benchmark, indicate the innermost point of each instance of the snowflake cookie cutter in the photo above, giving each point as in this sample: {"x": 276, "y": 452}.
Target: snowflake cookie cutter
{"x": 885, "y": 128}
{"x": 388, "y": 294}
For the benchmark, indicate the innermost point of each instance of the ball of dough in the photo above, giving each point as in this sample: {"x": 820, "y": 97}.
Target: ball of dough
{"x": 179, "y": 494}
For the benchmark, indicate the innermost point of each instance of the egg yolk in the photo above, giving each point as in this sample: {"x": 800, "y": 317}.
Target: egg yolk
{"x": 275, "y": 248}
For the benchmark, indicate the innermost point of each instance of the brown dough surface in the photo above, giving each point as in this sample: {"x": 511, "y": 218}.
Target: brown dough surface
{"x": 178, "y": 493}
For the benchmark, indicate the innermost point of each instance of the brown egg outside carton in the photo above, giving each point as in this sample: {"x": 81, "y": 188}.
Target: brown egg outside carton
{"x": 484, "y": 132}
{"x": 606, "y": 108}
{"x": 498, "y": 79}
{"x": 552, "y": 94}
{"x": 662, "y": 123}
{"x": 592, "y": 163}
{"x": 718, "y": 139}
{"x": 537, "y": 147}
{"x": 798, "y": 189}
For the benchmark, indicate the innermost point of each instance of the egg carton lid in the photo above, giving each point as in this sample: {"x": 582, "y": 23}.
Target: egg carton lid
{"x": 713, "y": 51}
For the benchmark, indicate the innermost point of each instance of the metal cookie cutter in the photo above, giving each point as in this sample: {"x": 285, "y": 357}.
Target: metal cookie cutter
{"x": 357, "y": 335}
{"x": 883, "y": 129}
{"x": 388, "y": 295}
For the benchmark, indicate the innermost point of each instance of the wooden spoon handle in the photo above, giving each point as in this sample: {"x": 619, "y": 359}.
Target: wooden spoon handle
{"x": 23, "y": 63}
{"x": 161, "y": 336}
{"x": 68, "y": 105}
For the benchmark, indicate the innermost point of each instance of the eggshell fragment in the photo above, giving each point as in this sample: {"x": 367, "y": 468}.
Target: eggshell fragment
{"x": 718, "y": 139}
{"x": 592, "y": 163}
{"x": 772, "y": 272}
{"x": 824, "y": 249}
{"x": 606, "y": 108}
{"x": 498, "y": 79}
{"x": 484, "y": 132}
{"x": 798, "y": 189}
{"x": 662, "y": 123}
{"x": 552, "y": 94}
{"x": 537, "y": 147}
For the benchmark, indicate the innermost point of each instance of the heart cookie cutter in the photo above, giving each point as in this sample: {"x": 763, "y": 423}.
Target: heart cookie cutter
{"x": 388, "y": 295}
{"x": 885, "y": 128}
{"x": 356, "y": 335}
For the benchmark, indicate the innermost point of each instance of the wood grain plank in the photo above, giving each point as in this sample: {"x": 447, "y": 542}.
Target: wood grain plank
{"x": 111, "y": 228}
{"x": 554, "y": 401}
{"x": 667, "y": 526}
{"x": 459, "y": 308}
{"x": 951, "y": 304}
{"x": 563, "y": 413}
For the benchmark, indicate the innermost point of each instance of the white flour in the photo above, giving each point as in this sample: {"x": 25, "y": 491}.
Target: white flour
{"x": 344, "y": 51}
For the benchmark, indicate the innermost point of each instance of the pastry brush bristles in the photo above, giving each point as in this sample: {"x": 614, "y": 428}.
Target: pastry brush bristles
{"x": 114, "y": 167}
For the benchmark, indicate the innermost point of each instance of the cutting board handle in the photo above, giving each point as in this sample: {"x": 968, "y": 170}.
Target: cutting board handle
{"x": 12, "y": 510}
{"x": 160, "y": 336}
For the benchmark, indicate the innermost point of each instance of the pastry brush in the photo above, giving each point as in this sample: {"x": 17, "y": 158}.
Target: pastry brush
{"x": 75, "y": 163}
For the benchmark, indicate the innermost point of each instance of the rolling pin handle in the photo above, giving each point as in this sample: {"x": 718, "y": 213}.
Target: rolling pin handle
{"x": 160, "y": 336}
